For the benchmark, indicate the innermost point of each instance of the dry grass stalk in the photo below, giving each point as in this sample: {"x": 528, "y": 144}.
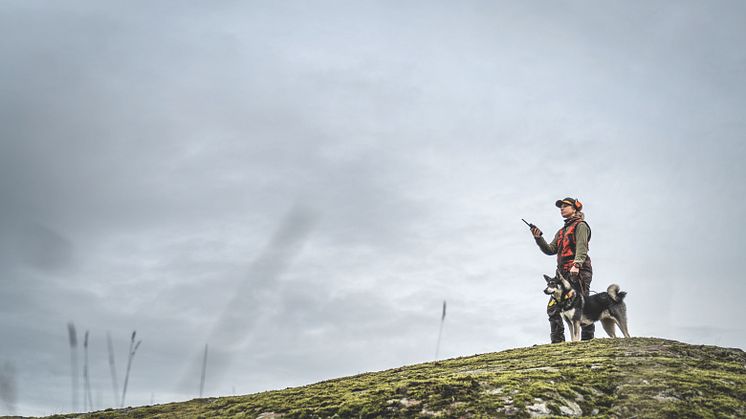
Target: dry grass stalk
{"x": 8, "y": 388}
{"x": 112, "y": 369}
{"x": 440, "y": 333}
{"x": 73, "y": 339}
{"x": 204, "y": 370}
{"x": 133, "y": 349}
{"x": 88, "y": 399}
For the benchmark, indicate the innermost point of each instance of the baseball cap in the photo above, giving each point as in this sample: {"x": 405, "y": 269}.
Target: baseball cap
{"x": 569, "y": 201}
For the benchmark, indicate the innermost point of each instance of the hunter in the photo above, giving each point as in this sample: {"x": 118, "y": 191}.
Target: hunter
{"x": 570, "y": 244}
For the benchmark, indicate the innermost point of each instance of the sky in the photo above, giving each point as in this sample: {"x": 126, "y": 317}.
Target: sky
{"x": 300, "y": 185}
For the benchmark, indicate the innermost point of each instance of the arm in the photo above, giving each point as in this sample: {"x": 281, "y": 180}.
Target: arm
{"x": 548, "y": 249}
{"x": 581, "y": 243}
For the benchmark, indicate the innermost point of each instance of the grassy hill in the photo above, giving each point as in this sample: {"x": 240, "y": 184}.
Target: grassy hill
{"x": 637, "y": 377}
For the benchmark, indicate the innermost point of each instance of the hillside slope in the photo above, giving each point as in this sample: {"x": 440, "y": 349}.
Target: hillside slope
{"x": 642, "y": 377}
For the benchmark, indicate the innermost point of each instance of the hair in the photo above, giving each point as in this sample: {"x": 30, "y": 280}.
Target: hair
{"x": 580, "y": 214}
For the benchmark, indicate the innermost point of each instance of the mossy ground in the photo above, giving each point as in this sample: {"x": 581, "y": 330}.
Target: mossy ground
{"x": 636, "y": 377}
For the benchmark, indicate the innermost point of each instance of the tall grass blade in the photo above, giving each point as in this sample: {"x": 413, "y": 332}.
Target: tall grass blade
{"x": 204, "y": 370}
{"x": 232, "y": 325}
{"x": 113, "y": 370}
{"x": 73, "y": 340}
{"x": 133, "y": 349}
{"x": 8, "y": 388}
{"x": 440, "y": 333}
{"x": 88, "y": 399}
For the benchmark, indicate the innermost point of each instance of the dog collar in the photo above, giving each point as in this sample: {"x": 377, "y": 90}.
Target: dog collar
{"x": 569, "y": 295}
{"x": 568, "y": 299}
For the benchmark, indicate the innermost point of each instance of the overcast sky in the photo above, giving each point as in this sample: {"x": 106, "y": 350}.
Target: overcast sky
{"x": 301, "y": 184}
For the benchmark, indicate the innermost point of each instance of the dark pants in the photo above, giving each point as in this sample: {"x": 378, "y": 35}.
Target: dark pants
{"x": 557, "y": 328}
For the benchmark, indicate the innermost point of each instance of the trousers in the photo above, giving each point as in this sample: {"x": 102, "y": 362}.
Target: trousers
{"x": 556, "y": 326}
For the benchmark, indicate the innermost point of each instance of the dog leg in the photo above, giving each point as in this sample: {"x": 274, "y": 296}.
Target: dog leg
{"x": 619, "y": 314}
{"x": 576, "y": 336}
{"x": 608, "y": 325}
{"x": 570, "y": 327}
{"x": 622, "y": 323}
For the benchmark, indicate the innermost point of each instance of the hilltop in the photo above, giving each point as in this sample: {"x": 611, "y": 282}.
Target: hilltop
{"x": 636, "y": 377}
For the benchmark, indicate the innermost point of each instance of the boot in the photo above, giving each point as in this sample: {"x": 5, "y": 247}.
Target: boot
{"x": 586, "y": 332}
{"x": 557, "y": 328}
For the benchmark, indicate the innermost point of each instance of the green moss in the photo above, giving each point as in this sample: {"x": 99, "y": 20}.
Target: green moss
{"x": 642, "y": 377}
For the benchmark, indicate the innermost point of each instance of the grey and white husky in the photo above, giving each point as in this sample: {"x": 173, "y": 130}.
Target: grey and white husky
{"x": 579, "y": 310}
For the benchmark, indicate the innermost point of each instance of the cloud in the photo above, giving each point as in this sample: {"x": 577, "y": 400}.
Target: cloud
{"x": 150, "y": 155}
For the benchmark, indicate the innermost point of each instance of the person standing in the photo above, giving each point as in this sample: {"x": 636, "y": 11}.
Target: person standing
{"x": 570, "y": 244}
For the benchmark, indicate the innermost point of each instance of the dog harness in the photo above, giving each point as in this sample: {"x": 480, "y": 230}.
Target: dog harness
{"x": 566, "y": 300}
{"x": 566, "y": 244}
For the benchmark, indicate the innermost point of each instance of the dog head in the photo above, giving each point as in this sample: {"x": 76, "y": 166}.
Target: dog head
{"x": 556, "y": 286}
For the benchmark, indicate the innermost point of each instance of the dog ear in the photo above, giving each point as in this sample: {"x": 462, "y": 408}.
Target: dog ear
{"x": 548, "y": 278}
{"x": 560, "y": 276}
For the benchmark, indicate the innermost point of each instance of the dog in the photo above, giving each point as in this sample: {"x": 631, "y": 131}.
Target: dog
{"x": 578, "y": 310}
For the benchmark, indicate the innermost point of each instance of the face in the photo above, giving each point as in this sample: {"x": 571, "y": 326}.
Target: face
{"x": 553, "y": 287}
{"x": 567, "y": 210}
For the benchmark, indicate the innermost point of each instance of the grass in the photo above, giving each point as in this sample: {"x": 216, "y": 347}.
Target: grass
{"x": 636, "y": 377}
{"x": 131, "y": 356}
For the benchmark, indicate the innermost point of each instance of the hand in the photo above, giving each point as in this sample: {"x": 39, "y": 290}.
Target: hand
{"x": 574, "y": 270}
{"x": 536, "y": 232}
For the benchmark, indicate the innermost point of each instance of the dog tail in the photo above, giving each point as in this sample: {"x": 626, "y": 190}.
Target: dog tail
{"x": 615, "y": 294}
